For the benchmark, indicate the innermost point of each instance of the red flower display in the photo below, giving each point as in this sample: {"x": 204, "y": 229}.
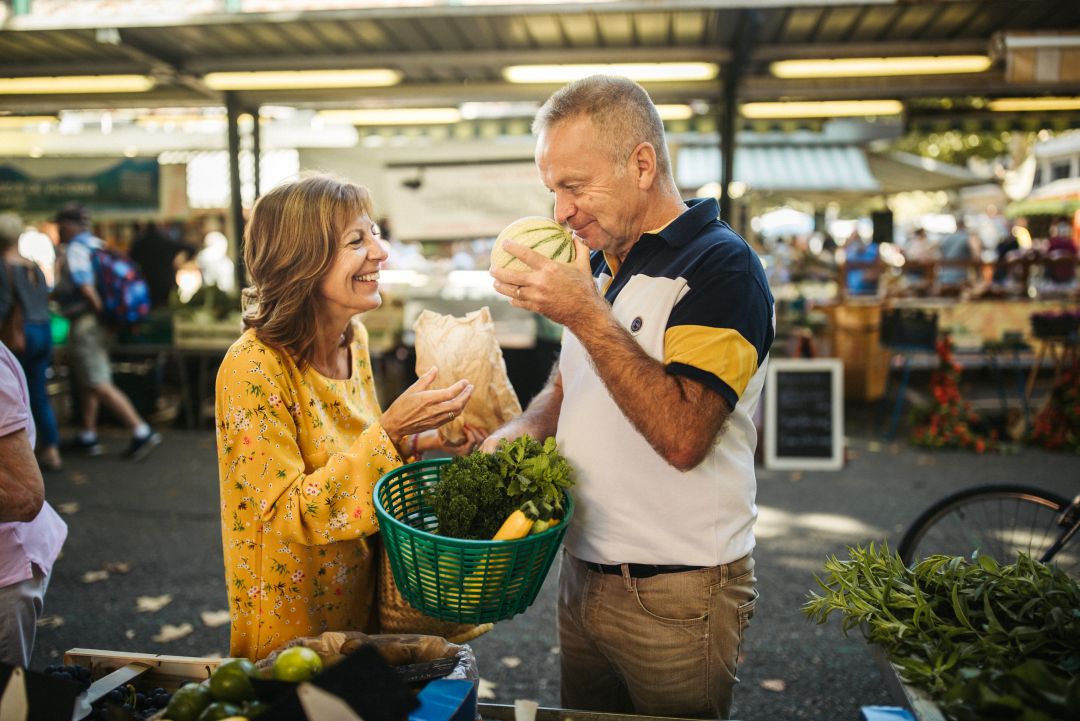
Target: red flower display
{"x": 950, "y": 422}
{"x": 1057, "y": 425}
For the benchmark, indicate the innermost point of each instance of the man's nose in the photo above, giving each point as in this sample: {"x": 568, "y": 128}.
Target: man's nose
{"x": 564, "y": 208}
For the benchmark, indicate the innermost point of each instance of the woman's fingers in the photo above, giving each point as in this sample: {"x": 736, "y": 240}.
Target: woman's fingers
{"x": 423, "y": 381}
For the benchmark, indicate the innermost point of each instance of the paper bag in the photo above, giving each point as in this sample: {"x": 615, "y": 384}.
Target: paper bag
{"x": 466, "y": 348}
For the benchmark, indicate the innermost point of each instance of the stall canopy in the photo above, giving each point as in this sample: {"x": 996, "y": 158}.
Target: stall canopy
{"x": 1060, "y": 197}
{"x": 901, "y": 172}
{"x": 811, "y": 170}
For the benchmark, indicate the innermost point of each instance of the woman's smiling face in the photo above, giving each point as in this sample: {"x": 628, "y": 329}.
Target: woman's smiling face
{"x": 352, "y": 284}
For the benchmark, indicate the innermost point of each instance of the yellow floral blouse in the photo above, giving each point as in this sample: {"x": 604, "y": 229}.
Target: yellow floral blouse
{"x": 298, "y": 455}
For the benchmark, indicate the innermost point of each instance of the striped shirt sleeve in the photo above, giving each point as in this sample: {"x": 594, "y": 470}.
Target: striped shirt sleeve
{"x": 720, "y": 330}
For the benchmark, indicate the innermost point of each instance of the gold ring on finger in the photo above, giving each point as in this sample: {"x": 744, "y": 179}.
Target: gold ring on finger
{"x": 519, "y": 293}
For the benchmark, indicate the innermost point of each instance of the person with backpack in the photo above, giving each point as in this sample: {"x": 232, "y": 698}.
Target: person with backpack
{"x": 25, "y": 330}
{"x": 98, "y": 288}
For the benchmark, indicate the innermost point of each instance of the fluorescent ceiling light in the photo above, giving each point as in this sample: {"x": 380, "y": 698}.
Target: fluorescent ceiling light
{"x": 300, "y": 79}
{"x": 393, "y": 116}
{"x": 22, "y": 121}
{"x": 71, "y": 84}
{"x": 675, "y": 112}
{"x": 641, "y": 72}
{"x": 880, "y": 67}
{"x": 1004, "y": 105}
{"x": 477, "y": 110}
{"x": 821, "y": 109}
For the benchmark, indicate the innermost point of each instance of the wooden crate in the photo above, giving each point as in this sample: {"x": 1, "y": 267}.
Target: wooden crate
{"x": 168, "y": 672}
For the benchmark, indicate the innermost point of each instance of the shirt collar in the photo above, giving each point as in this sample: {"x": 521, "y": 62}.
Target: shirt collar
{"x": 699, "y": 213}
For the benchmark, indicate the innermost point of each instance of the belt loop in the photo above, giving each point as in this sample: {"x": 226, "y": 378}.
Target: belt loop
{"x": 628, "y": 580}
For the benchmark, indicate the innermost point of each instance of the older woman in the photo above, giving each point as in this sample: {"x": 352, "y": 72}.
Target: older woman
{"x": 301, "y": 440}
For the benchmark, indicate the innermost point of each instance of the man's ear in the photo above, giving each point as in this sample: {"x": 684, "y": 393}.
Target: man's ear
{"x": 643, "y": 158}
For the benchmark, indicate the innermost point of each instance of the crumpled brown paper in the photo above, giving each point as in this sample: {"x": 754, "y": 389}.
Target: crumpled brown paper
{"x": 466, "y": 348}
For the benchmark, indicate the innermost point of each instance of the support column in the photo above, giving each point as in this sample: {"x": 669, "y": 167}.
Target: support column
{"x": 236, "y": 202}
{"x": 748, "y": 23}
{"x": 256, "y": 151}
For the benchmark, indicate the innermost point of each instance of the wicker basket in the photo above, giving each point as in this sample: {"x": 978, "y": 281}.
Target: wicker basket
{"x": 452, "y": 579}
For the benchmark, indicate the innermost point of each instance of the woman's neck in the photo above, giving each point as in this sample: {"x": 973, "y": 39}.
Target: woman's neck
{"x": 327, "y": 354}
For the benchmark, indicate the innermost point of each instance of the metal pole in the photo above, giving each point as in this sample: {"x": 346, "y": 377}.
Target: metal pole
{"x": 727, "y": 144}
{"x": 256, "y": 151}
{"x": 236, "y": 202}
{"x": 748, "y": 23}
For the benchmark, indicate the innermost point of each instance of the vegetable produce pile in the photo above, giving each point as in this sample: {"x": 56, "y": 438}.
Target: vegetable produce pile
{"x": 985, "y": 641}
{"x": 522, "y": 480}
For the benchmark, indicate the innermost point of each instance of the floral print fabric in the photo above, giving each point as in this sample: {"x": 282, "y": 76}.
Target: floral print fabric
{"x": 299, "y": 455}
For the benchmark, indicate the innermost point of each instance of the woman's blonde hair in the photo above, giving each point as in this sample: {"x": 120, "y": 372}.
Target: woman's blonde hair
{"x": 290, "y": 243}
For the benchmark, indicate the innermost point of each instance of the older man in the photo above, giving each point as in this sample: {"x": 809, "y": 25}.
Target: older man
{"x": 669, "y": 322}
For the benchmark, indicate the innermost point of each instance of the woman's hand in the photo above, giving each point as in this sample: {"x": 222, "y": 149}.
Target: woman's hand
{"x": 419, "y": 409}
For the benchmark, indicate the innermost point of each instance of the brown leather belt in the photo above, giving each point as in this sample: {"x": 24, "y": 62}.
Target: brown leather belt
{"x": 638, "y": 570}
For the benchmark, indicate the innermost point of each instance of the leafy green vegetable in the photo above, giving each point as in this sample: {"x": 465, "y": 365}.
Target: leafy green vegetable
{"x": 984, "y": 640}
{"x": 477, "y": 492}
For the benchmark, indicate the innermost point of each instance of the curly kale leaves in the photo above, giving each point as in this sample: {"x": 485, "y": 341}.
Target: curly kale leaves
{"x": 477, "y": 492}
{"x": 470, "y": 500}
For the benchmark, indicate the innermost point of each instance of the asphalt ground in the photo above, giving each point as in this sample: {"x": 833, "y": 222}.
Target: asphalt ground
{"x": 151, "y": 531}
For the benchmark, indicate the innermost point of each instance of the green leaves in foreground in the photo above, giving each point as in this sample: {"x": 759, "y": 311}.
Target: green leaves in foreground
{"x": 984, "y": 640}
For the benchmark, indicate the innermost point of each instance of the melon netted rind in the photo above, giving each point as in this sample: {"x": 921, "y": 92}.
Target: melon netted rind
{"x": 543, "y": 235}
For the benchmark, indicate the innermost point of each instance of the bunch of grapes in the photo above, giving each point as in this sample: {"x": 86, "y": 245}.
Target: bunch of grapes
{"x": 133, "y": 703}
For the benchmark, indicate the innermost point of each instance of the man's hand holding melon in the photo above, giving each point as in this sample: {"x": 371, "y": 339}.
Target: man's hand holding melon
{"x": 542, "y": 267}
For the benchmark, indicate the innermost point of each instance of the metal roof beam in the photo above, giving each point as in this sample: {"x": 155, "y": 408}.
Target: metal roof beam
{"x": 460, "y": 59}
{"x": 988, "y": 83}
{"x": 828, "y": 50}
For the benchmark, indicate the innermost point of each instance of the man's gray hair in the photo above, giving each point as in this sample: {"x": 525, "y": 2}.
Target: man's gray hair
{"x": 619, "y": 108}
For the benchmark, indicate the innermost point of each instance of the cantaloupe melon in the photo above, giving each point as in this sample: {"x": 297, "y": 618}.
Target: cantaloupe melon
{"x": 543, "y": 235}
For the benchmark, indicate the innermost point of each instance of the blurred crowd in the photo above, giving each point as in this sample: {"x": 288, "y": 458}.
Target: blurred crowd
{"x": 984, "y": 255}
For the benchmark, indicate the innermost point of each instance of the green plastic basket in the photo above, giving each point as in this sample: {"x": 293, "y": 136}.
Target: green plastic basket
{"x": 453, "y": 579}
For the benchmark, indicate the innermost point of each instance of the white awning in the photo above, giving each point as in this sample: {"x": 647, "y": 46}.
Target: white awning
{"x": 775, "y": 168}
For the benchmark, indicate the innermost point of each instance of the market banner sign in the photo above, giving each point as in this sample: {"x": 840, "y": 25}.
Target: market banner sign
{"x": 38, "y": 188}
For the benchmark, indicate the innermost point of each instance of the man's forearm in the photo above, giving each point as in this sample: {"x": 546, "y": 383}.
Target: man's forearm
{"x": 22, "y": 491}
{"x": 679, "y": 418}
{"x": 541, "y": 418}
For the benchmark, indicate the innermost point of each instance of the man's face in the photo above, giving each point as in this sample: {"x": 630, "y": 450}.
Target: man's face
{"x": 595, "y": 196}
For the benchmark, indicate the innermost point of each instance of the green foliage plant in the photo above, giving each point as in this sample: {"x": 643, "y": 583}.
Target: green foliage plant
{"x": 984, "y": 640}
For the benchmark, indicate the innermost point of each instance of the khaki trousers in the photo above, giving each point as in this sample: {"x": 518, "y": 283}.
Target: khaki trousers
{"x": 667, "y": 645}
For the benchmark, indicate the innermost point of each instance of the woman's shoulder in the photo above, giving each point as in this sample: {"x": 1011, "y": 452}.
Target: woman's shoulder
{"x": 250, "y": 348}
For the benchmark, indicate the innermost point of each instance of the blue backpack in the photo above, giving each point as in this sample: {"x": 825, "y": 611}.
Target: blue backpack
{"x": 124, "y": 295}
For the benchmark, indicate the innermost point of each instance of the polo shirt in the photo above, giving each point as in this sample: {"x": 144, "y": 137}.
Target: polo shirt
{"x": 695, "y": 297}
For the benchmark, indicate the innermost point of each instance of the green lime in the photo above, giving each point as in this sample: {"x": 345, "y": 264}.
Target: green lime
{"x": 254, "y": 708}
{"x": 218, "y": 711}
{"x": 296, "y": 663}
{"x": 231, "y": 681}
{"x": 188, "y": 702}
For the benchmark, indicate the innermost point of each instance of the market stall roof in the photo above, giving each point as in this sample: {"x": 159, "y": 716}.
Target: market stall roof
{"x": 451, "y": 50}
{"x": 901, "y": 172}
{"x": 1060, "y": 197}
{"x": 816, "y": 169}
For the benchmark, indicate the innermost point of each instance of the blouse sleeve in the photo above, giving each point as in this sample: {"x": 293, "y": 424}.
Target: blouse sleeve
{"x": 262, "y": 470}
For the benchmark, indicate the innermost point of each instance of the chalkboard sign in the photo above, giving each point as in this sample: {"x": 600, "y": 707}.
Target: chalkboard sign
{"x": 804, "y": 414}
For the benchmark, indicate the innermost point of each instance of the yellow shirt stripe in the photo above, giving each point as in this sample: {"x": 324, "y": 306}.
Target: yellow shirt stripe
{"x": 720, "y": 351}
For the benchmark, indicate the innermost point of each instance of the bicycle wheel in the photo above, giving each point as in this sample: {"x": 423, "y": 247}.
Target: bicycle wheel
{"x": 997, "y": 521}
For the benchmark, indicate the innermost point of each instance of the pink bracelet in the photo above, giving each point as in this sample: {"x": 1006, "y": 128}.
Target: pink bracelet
{"x": 412, "y": 445}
